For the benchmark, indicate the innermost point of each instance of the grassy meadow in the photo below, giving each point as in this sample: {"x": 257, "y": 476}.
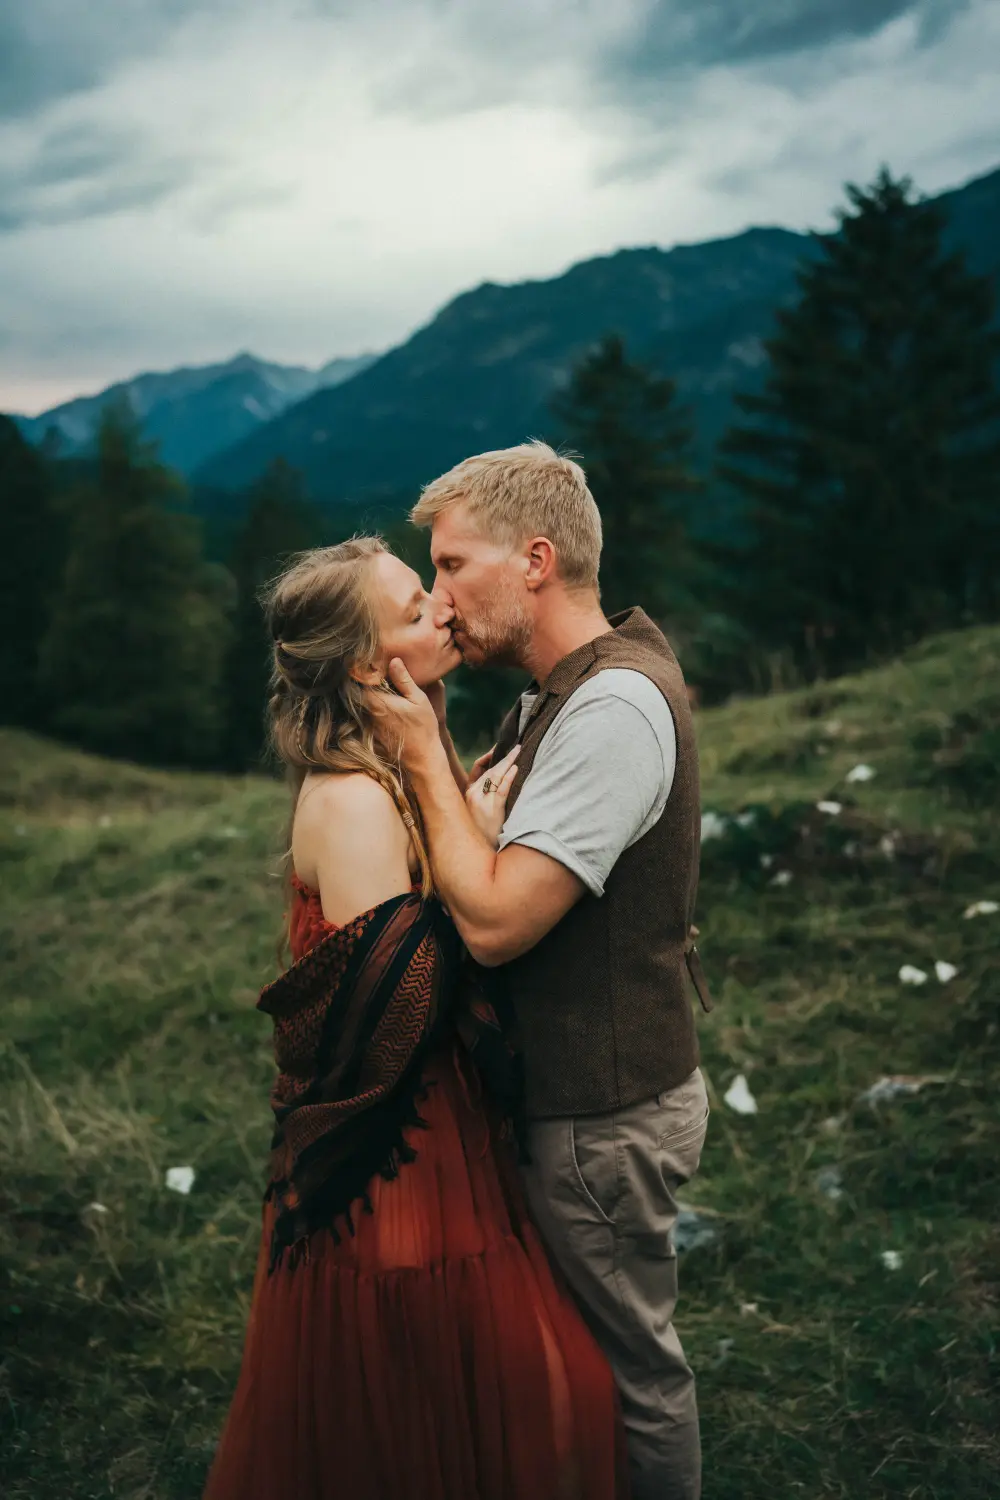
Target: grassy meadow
{"x": 843, "y": 1315}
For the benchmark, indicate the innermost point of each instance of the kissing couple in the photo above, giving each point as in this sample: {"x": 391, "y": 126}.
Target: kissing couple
{"x": 488, "y": 1090}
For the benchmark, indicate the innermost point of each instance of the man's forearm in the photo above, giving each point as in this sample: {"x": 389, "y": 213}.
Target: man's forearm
{"x": 458, "y": 771}
{"x": 463, "y": 862}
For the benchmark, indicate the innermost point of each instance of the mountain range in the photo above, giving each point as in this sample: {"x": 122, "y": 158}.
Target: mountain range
{"x": 195, "y": 412}
{"x": 482, "y": 372}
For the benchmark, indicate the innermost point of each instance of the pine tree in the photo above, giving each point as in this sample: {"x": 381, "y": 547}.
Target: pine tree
{"x": 634, "y": 442}
{"x": 131, "y": 661}
{"x": 871, "y": 464}
{"x": 32, "y": 554}
{"x": 279, "y": 521}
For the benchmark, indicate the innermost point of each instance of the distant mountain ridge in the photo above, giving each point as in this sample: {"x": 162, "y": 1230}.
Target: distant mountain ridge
{"x": 481, "y": 373}
{"x": 195, "y": 411}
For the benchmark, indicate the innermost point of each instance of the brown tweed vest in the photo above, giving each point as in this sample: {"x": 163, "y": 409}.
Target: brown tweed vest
{"x": 601, "y": 1001}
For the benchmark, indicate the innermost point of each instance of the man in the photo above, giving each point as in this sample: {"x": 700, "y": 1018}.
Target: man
{"x": 586, "y": 908}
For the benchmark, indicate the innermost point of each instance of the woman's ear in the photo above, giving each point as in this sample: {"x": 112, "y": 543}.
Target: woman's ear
{"x": 368, "y": 674}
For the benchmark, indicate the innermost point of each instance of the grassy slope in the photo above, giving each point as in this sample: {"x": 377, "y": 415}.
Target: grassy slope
{"x": 140, "y": 917}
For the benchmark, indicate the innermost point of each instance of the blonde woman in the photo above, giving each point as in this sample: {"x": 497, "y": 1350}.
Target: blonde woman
{"x": 406, "y": 1335}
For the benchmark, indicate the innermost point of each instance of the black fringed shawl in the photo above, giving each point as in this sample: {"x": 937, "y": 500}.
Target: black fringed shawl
{"x": 354, "y": 1019}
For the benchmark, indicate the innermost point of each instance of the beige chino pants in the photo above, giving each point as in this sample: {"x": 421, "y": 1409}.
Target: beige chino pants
{"x": 602, "y": 1190}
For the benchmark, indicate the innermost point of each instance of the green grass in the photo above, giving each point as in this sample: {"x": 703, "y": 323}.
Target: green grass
{"x": 141, "y": 911}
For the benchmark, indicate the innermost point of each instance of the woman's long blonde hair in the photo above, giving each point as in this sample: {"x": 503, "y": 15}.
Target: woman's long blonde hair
{"x": 324, "y": 621}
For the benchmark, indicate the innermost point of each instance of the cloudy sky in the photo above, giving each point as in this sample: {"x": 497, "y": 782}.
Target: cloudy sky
{"x": 183, "y": 179}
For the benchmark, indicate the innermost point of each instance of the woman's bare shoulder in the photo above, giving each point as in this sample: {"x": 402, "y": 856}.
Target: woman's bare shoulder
{"x": 335, "y": 805}
{"x": 348, "y": 793}
{"x": 349, "y": 842}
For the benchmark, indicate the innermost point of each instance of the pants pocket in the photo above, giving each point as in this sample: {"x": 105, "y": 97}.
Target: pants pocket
{"x": 683, "y": 1114}
{"x": 592, "y": 1160}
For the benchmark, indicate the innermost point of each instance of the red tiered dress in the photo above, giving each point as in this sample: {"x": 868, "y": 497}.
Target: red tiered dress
{"x": 431, "y": 1356}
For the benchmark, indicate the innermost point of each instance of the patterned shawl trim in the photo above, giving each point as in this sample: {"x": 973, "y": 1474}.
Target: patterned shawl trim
{"x": 354, "y": 1019}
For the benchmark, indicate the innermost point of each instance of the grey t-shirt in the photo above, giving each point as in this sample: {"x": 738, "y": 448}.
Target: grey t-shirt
{"x": 601, "y": 777}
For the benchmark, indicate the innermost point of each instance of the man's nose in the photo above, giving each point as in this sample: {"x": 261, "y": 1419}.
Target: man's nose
{"x": 443, "y": 603}
{"x": 444, "y": 610}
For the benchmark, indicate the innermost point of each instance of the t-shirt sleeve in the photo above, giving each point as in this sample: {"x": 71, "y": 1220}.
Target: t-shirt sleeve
{"x": 597, "y": 777}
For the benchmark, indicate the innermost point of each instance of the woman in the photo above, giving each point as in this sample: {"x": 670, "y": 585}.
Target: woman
{"x": 407, "y": 1340}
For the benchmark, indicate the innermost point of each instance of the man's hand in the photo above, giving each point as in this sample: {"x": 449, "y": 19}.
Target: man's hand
{"x": 436, "y": 699}
{"x": 407, "y": 719}
{"x": 501, "y": 903}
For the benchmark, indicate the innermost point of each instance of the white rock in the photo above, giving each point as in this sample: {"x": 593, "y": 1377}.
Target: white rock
{"x": 860, "y": 773}
{"x": 887, "y": 844}
{"x": 897, "y": 1086}
{"x": 832, "y": 726}
{"x": 739, "y": 1097}
{"x": 781, "y": 877}
{"x": 712, "y": 826}
{"x": 766, "y": 861}
{"x": 982, "y": 909}
{"x": 180, "y": 1179}
{"x": 944, "y": 971}
{"x": 909, "y": 974}
{"x": 692, "y": 1230}
{"x": 833, "y": 808}
{"x": 892, "y": 1260}
{"x": 746, "y": 819}
{"x": 830, "y": 1183}
{"x": 96, "y": 1208}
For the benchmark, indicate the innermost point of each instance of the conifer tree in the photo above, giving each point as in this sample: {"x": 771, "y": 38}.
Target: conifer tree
{"x": 634, "y": 443}
{"x": 131, "y": 661}
{"x": 279, "y": 521}
{"x": 871, "y": 462}
{"x": 32, "y": 548}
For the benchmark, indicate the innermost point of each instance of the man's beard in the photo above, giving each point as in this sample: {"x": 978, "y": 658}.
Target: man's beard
{"x": 502, "y": 637}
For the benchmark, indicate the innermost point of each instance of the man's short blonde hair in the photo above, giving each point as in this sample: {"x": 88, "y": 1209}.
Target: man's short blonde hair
{"x": 514, "y": 494}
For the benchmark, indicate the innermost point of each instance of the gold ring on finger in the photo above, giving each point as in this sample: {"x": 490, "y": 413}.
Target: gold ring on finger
{"x": 487, "y": 786}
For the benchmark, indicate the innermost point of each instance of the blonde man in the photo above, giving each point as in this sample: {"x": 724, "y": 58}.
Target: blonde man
{"x": 584, "y": 907}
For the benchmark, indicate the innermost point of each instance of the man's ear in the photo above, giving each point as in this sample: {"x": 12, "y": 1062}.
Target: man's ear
{"x": 540, "y": 555}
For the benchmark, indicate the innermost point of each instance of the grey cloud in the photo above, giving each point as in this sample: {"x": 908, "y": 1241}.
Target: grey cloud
{"x": 789, "y": 43}
{"x": 83, "y": 174}
{"x": 732, "y": 31}
{"x": 678, "y": 36}
{"x": 627, "y": 57}
{"x": 53, "y": 48}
